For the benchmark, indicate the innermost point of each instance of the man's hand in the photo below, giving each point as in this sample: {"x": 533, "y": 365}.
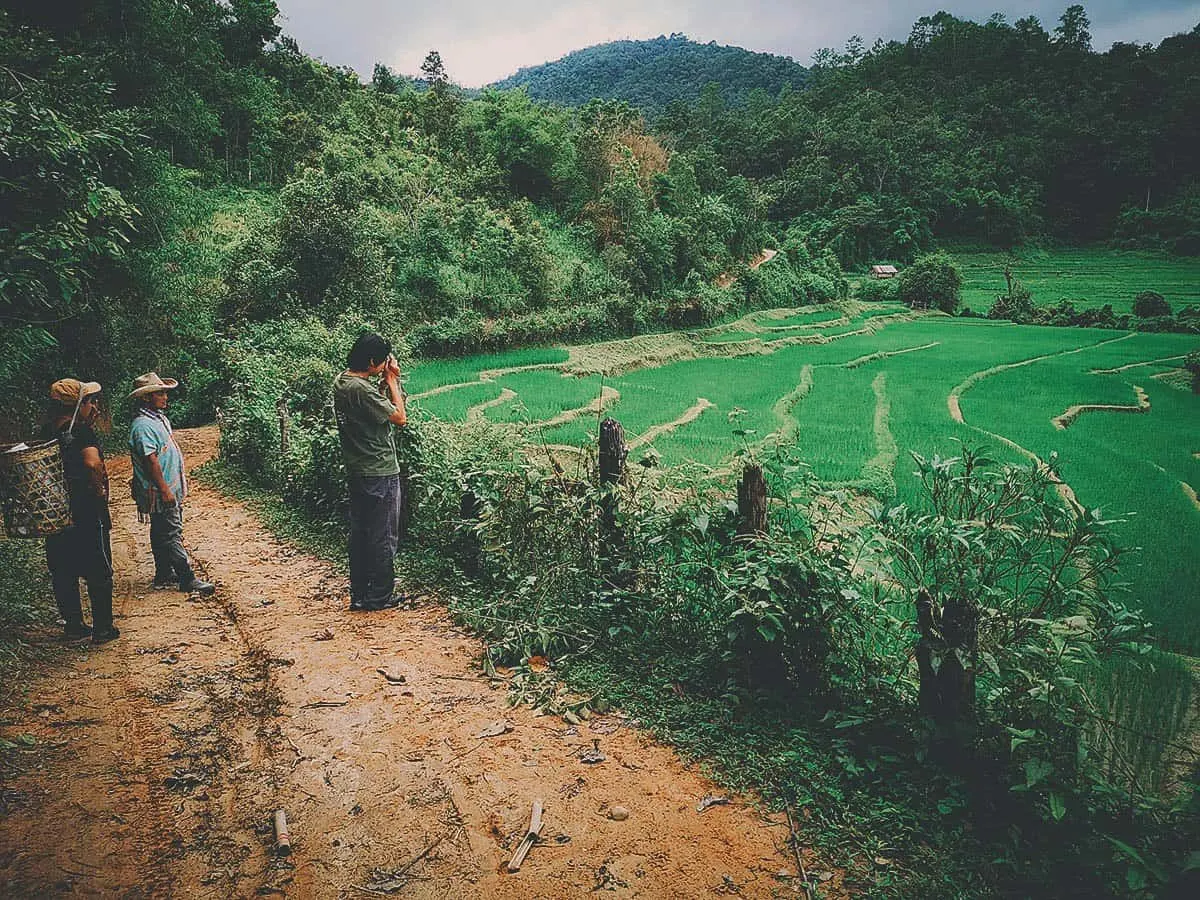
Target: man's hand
{"x": 154, "y": 470}
{"x": 392, "y": 372}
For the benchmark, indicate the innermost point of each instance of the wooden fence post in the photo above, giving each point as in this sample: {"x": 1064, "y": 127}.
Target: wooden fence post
{"x": 612, "y": 464}
{"x": 947, "y": 687}
{"x": 284, "y": 424}
{"x": 469, "y": 509}
{"x": 752, "y": 503}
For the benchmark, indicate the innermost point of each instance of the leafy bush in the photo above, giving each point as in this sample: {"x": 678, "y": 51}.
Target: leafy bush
{"x": 931, "y": 282}
{"x": 1150, "y": 304}
{"x": 1192, "y": 363}
{"x": 1015, "y": 306}
{"x": 1018, "y": 588}
{"x": 879, "y": 290}
{"x": 25, "y": 594}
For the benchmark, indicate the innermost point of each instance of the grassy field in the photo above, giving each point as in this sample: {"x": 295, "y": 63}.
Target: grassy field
{"x": 1088, "y": 278}
{"x": 856, "y": 404}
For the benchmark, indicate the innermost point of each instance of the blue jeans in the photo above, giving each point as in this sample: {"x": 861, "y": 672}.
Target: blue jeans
{"x": 374, "y": 527}
{"x": 166, "y": 543}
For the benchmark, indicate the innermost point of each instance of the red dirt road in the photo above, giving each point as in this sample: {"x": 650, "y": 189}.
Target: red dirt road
{"x": 157, "y": 761}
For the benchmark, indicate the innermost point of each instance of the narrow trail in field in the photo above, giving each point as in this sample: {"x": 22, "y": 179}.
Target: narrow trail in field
{"x": 477, "y": 412}
{"x": 886, "y": 354}
{"x": 608, "y": 396}
{"x": 881, "y": 467}
{"x": 1064, "y": 421}
{"x": 952, "y": 401}
{"x": 1063, "y": 489}
{"x": 444, "y": 389}
{"x": 159, "y": 759}
{"x": 815, "y": 326}
{"x": 625, "y": 355}
{"x": 690, "y": 415}
{"x": 1148, "y": 362}
{"x": 784, "y": 410}
{"x": 485, "y": 376}
{"x": 1190, "y": 493}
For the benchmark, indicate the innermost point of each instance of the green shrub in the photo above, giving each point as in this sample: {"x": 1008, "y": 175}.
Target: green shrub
{"x": 1151, "y": 304}
{"x": 931, "y": 282}
{"x": 25, "y": 594}
{"x": 1015, "y": 306}
{"x": 1191, "y": 362}
{"x": 879, "y": 290}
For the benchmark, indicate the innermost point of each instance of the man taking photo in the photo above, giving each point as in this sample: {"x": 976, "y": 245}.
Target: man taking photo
{"x": 365, "y": 416}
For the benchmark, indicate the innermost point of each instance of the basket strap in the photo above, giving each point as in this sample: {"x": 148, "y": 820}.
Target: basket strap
{"x": 78, "y": 403}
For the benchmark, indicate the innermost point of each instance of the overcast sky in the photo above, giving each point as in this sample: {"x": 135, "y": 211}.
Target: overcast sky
{"x": 484, "y": 40}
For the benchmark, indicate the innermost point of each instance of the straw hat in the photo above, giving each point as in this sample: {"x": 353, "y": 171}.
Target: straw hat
{"x": 150, "y": 383}
{"x": 72, "y": 390}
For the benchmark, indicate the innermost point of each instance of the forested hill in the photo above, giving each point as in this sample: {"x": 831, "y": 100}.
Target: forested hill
{"x": 651, "y": 74}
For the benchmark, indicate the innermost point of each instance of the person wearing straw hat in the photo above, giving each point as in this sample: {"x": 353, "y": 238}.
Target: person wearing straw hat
{"x": 83, "y": 549}
{"x": 159, "y": 483}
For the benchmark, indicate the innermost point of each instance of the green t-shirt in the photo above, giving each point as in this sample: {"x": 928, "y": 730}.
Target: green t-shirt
{"x": 368, "y": 446}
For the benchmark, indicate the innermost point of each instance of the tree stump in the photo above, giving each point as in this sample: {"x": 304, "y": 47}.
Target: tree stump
{"x": 752, "y": 503}
{"x": 612, "y": 465}
{"x": 470, "y": 552}
{"x": 947, "y": 687}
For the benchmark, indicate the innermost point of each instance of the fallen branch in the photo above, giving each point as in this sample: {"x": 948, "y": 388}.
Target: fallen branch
{"x": 794, "y": 840}
{"x": 531, "y": 836}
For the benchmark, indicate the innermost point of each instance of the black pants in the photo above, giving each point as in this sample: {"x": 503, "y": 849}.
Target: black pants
{"x": 82, "y": 551}
{"x": 166, "y": 543}
{"x": 374, "y": 525}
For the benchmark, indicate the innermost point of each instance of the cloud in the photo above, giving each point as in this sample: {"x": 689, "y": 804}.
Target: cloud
{"x": 483, "y": 40}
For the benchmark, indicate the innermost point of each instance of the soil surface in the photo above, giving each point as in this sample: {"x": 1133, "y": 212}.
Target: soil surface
{"x": 152, "y": 766}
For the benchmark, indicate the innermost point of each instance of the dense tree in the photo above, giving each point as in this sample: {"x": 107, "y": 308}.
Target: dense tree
{"x": 932, "y": 282}
{"x": 1150, "y": 303}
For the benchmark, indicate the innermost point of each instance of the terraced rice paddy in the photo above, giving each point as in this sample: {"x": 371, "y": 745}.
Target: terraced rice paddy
{"x": 855, "y": 396}
{"x": 1088, "y": 278}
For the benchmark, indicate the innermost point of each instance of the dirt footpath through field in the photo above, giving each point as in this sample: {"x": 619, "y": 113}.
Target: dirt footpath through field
{"x": 151, "y": 767}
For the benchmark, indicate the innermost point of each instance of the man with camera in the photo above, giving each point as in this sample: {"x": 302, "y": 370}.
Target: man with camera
{"x": 365, "y": 416}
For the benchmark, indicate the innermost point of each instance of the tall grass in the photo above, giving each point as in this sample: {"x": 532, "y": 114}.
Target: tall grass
{"x": 1144, "y": 716}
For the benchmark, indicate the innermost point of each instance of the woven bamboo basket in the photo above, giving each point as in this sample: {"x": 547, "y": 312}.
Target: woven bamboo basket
{"x": 33, "y": 490}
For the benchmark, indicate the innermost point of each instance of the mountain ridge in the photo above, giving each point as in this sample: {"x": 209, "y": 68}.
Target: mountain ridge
{"x": 652, "y": 73}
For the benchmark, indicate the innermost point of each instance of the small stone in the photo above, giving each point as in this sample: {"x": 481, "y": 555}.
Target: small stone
{"x": 618, "y": 813}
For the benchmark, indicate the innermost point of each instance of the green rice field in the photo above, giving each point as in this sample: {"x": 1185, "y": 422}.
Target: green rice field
{"x": 854, "y": 400}
{"x": 1086, "y": 277}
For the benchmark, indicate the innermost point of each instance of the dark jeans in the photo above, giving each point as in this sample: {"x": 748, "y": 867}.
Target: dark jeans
{"x": 166, "y": 543}
{"x": 82, "y": 551}
{"x": 374, "y": 526}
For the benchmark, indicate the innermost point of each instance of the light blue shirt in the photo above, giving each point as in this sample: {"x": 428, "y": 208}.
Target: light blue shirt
{"x": 152, "y": 434}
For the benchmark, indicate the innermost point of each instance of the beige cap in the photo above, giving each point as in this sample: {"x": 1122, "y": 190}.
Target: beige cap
{"x": 151, "y": 383}
{"x": 72, "y": 390}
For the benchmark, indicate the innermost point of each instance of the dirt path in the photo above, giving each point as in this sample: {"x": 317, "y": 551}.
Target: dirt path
{"x": 952, "y": 401}
{"x": 691, "y": 414}
{"x": 1064, "y": 421}
{"x": 159, "y": 758}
